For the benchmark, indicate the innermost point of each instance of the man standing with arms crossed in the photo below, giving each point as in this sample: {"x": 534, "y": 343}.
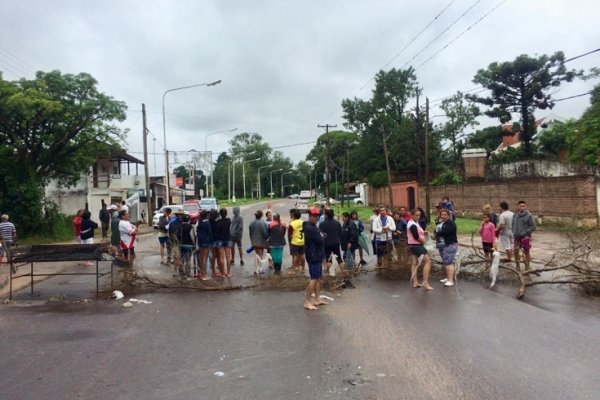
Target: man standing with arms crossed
{"x": 315, "y": 254}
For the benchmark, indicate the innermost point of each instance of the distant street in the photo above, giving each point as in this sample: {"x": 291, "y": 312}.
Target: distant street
{"x": 382, "y": 340}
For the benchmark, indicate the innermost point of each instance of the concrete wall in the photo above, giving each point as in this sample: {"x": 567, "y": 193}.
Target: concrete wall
{"x": 537, "y": 168}
{"x": 566, "y": 200}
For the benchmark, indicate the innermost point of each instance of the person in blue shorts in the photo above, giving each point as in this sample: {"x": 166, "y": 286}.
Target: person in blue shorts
{"x": 314, "y": 252}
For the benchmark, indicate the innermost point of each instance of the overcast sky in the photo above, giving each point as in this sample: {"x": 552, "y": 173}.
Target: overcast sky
{"x": 285, "y": 65}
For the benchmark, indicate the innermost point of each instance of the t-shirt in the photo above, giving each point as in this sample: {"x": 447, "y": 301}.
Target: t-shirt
{"x": 297, "y": 233}
{"x": 506, "y": 219}
{"x": 126, "y": 231}
{"x": 6, "y": 231}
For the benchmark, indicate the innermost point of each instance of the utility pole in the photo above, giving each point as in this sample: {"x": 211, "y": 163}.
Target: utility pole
{"x": 327, "y": 126}
{"x": 418, "y": 135}
{"x": 427, "y": 190}
{"x": 389, "y": 170}
{"x": 146, "y": 173}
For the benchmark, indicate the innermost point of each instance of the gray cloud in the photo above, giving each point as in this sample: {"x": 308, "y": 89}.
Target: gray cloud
{"x": 285, "y": 65}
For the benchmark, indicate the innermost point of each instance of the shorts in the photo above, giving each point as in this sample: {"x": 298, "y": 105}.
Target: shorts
{"x": 222, "y": 243}
{"x": 381, "y": 247}
{"x": 204, "y": 245}
{"x": 417, "y": 250}
{"x": 523, "y": 242}
{"x": 185, "y": 249}
{"x": 315, "y": 269}
{"x": 488, "y": 248}
{"x": 296, "y": 250}
{"x": 235, "y": 241}
{"x": 163, "y": 239}
{"x": 448, "y": 253}
{"x": 507, "y": 241}
{"x": 87, "y": 241}
{"x": 333, "y": 249}
{"x": 128, "y": 252}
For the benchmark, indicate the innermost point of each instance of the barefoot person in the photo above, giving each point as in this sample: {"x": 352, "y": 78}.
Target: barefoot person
{"x": 315, "y": 254}
{"x": 416, "y": 241}
{"x": 522, "y": 227}
{"x": 446, "y": 232}
{"x": 505, "y": 230}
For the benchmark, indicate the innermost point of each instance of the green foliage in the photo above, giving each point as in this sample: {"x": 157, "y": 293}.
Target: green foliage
{"x": 509, "y": 155}
{"x": 461, "y": 114}
{"x": 584, "y": 140}
{"x": 384, "y": 116}
{"x": 51, "y": 127}
{"x": 487, "y": 138}
{"x": 378, "y": 179}
{"x": 522, "y": 86}
{"x": 448, "y": 177}
{"x": 554, "y": 139}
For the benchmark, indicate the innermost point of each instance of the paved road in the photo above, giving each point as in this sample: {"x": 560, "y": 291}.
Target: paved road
{"x": 383, "y": 340}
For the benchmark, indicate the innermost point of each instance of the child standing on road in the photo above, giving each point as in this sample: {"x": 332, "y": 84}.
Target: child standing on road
{"x": 487, "y": 230}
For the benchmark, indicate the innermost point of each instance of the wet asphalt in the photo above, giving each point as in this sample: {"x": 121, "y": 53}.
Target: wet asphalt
{"x": 382, "y": 340}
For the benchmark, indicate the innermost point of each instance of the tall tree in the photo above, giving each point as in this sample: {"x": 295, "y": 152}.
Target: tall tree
{"x": 384, "y": 117}
{"x": 522, "y": 86}
{"x": 584, "y": 141}
{"x": 461, "y": 114}
{"x": 487, "y": 138}
{"x": 51, "y": 127}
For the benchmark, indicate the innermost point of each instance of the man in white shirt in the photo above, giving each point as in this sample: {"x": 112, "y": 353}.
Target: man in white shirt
{"x": 505, "y": 230}
{"x": 383, "y": 229}
{"x": 127, "y": 232}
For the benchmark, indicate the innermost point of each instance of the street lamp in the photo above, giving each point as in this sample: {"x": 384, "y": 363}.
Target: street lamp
{"x": 259, "y": 185}
{"x": 212, "y": 188}
{"x": 244, "y": 173}
{"x": 285, "y": 173}
{"x": 275, "y": 170}
{"x": 165, "y": 129}
{"x": 233, "y": 157}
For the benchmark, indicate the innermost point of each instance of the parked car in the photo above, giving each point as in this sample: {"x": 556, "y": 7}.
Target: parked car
{"x": 358, "y": 201}
{"x": 302, "y": 206}
{"x": 294, "y": 196}
{"x": 331, "y": 201}
{"x": 209, "y": 203}
{"x": 192, "y": 207}
{"x": 159, "y": 213}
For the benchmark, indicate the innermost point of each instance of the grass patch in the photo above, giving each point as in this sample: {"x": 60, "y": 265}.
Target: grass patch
{"x": 467, "y": 225}
{"x": 364, "y": 212}
{"x": 59, "y": 230}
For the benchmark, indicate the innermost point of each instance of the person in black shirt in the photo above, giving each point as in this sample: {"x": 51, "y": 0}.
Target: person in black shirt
{"x": 447, "y": 243}
{"x": 222, "y": 237}
{"x": 315, "y": 254}
{"x": 332, "y": 231}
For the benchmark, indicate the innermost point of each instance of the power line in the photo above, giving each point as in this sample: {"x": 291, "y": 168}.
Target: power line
{"x": 411, "y": 41}
{"x": 23, "y": 63}
{"x": 573, "y": 97}
{"x": 581, "y": 55}
{"x": 442, "y": 32}
{"x": 461, "y": 34}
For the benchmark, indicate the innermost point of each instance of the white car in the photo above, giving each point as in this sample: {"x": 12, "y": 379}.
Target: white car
{"x": 208, "y": 204}
{"x": 358, "y": 201}
{"x": 159, "y": 213}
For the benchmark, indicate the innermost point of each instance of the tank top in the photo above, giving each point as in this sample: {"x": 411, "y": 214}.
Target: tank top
{"x": 411, "y": 239}
{"x": 297, "y": 233}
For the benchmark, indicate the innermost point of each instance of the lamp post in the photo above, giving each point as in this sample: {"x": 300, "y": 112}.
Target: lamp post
{"x": 244, "y": 173}
{"x": 259, "y": 185}
{"x": 212, "y": 189}
{"x": 233, "y": 157}
{"x": 165, "y": 128}
{"x": 285, "y": 173}
{"x": 275, "y": 170}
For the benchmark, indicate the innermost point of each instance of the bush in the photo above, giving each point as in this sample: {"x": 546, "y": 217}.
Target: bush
{"x": 448, "y": 177}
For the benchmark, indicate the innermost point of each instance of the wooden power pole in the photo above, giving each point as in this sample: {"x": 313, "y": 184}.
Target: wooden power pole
{"x": 326, "y": 126}
{"x": 427, "y": 190}
{"x": 146, "y": 172}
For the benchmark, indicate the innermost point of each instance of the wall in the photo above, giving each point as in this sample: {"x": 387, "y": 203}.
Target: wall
{"x": 567, "y": 200}
{"x": 537, "y": 168}
{"x": 400, "y": 193}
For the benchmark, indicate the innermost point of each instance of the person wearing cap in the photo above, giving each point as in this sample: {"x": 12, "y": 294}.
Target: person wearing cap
{"x": 314, "y": 254}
